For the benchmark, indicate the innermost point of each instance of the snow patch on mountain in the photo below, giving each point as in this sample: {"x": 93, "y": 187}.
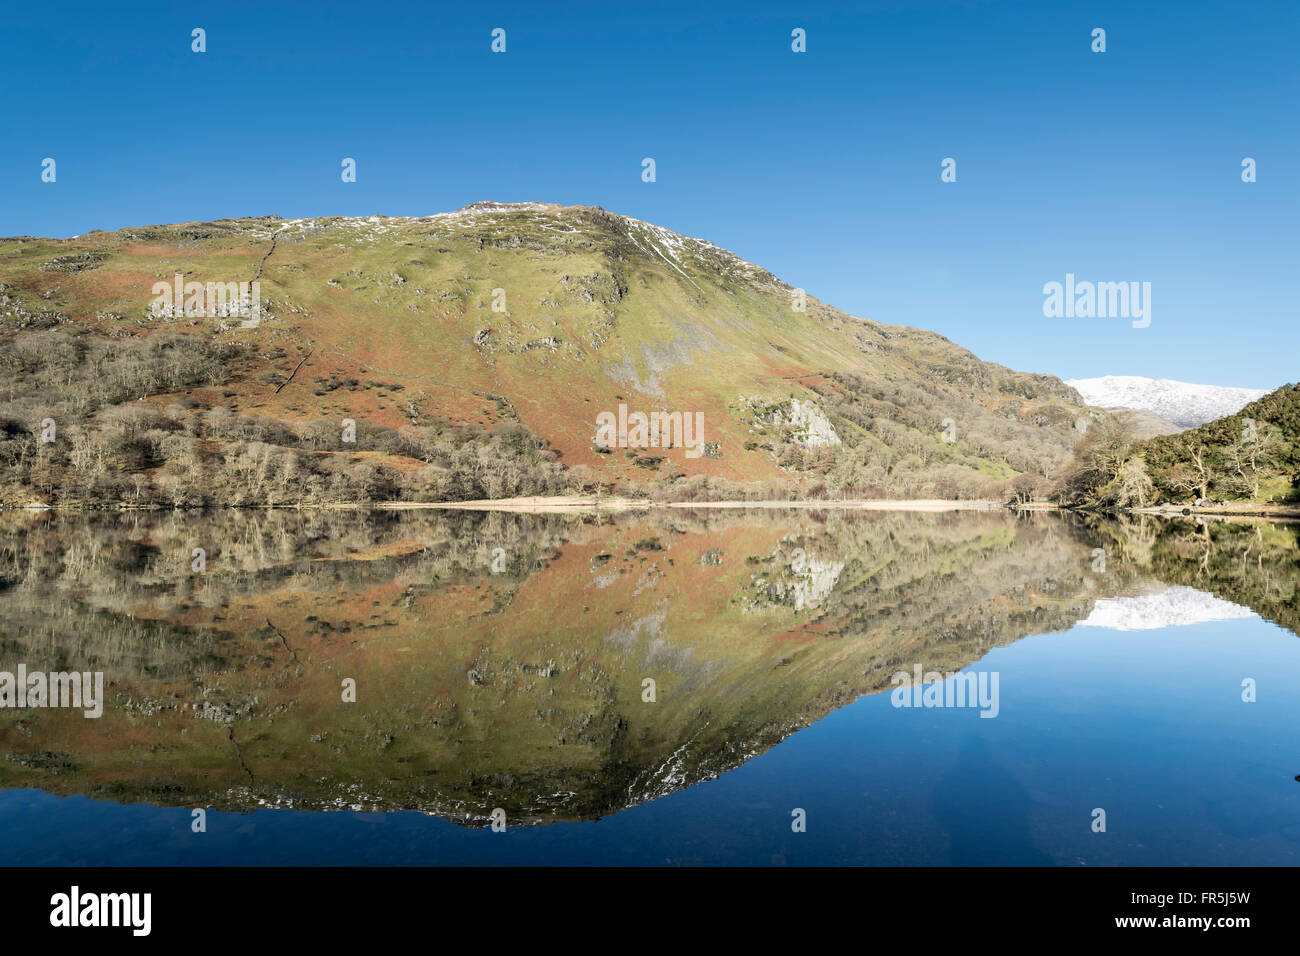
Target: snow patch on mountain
{"x": 1183, "y": 403}
{"x": 1173, "y": 607}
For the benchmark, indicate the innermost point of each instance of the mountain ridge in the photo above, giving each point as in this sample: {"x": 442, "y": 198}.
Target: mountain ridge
{"x": 1185, "y": 404}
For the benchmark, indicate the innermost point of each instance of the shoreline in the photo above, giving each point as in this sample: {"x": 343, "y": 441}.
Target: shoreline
{"x": 560, "y": 504}
{"x": 589, "y": 504}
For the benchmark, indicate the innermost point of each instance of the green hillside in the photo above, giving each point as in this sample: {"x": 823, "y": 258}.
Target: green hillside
{"x": 474, "y": 351}
{"x": 1252, "y": 457}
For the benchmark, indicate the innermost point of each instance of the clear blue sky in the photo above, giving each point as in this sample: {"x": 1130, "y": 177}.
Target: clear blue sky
{"x": 822, "y": 167}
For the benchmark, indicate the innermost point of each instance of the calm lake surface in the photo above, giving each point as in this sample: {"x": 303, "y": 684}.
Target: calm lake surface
{"x": 669, "y": 688}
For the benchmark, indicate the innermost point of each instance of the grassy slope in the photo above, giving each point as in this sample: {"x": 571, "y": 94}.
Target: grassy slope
{"x": 601, "y": 309}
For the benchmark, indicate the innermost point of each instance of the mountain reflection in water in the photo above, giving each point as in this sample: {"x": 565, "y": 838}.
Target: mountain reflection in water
{"x": 502, "y": 661}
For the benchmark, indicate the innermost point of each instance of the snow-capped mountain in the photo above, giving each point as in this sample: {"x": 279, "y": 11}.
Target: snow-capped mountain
{"x": 1183, "y": 403}
{"x": 1172, "y": 607}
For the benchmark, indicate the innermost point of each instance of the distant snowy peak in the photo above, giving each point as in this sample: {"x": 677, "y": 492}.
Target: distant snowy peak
{"x": 1172, "y": 607}
{"x": 1184, "y": 404}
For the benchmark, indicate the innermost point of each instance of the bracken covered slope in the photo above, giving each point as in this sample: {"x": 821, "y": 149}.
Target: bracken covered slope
{"x": 475, "y": 350}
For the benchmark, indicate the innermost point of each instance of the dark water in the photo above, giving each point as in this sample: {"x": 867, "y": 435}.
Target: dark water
{"x": 500, "y": 665}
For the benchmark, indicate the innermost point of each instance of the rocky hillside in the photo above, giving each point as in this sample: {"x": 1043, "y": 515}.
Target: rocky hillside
{"x": 474, "y": 354}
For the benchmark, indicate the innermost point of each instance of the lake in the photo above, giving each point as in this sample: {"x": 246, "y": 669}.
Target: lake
{"x": 669, "y": 687}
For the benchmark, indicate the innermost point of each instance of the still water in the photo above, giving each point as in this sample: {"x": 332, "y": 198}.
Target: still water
{"x": 672, "y": 688}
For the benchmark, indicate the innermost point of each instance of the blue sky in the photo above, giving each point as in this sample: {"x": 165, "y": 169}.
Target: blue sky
{"x": 823, "y": 167}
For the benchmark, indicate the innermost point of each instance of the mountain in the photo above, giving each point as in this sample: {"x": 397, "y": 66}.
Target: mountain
{"x": 477, "y": 354}
{"x": 1182, "y": 403}
{"x": 1175, "y": 606}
